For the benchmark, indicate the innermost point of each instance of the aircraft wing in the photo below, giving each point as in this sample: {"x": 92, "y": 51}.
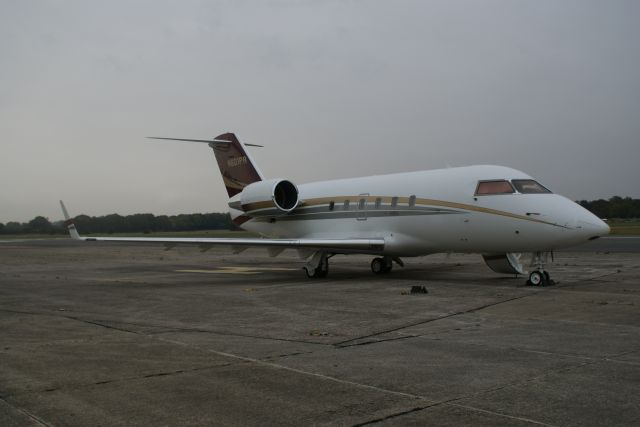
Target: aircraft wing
{"x": 335, "y": 245}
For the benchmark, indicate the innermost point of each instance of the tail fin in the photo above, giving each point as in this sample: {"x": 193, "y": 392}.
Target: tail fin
{"x": 235, "y": 163}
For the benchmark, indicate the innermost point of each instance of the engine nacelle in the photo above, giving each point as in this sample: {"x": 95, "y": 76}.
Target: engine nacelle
{"x": 274, "y": 197}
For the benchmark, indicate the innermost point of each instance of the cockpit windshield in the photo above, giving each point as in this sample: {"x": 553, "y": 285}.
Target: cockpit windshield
{"x": 499, "y": 186}
{"x": 529, "y": 186}
{"x": 503, "y": 186}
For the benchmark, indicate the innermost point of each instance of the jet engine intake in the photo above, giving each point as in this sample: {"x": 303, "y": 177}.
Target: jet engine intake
{"x": 273, "y": 197}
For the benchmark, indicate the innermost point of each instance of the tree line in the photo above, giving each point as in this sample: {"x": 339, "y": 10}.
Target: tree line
{"x": 614, "y": 208}
{"x": 114, "y": 223}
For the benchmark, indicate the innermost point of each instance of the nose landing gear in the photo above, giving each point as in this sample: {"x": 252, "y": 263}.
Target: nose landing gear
{"x": 539, "y": 276}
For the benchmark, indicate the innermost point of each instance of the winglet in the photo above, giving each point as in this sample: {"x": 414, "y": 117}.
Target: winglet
{"x": 68, "y": 221}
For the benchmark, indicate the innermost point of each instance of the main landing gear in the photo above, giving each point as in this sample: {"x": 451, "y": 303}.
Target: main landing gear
{"x": 539, "y": 276}
{"x": 385, "y": 264}
{"x": 317, "y": 266}
{"x": 381, "y": 265}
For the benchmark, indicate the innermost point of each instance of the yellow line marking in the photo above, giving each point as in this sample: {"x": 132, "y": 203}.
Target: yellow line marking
{"x": 237, "y": 270}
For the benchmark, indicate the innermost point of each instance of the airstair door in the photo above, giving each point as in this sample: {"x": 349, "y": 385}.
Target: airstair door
{"x": 362, "y": 206}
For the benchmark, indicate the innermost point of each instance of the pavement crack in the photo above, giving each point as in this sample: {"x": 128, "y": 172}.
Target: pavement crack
{"x": 164, "y": 374}
{"x": 72, "y": 387}
{"x": 280, "y": 356}
{"x": 341, "y": 344}
{"x": 525, "y": 380}
{"x": 233, "y": 334}
{"x": 513, "y": 417}
{"x": 608, "y": 358}
{"x": 614, "y": 357}
{"x": 163, "y": 329}
{"x": 97, "y": 323}
{"x": 452, "y": 401}
{"x": 572, "y": 284}
{"x": 404, "y": 337}
{"x": 299, "y": 371}
{"x": 28, "y": 414}
{"x": 394, "y": 415}
{"x": 449, "y": 403}
{"x": 345, "y": 343}
{"x": 33, "y": 313}
{"x": 159, "y": 374}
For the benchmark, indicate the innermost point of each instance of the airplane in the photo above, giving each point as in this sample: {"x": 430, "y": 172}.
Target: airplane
{"x": 495, "y": 211}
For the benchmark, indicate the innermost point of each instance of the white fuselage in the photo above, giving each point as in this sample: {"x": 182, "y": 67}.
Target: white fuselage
{"x": 419, "y": 213}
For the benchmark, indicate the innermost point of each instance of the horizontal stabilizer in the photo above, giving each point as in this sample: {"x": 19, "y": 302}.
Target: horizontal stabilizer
{"x": 207, "y": 141}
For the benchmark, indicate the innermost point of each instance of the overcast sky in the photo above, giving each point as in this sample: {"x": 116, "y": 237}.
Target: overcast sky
{"x": 331, "y": 88}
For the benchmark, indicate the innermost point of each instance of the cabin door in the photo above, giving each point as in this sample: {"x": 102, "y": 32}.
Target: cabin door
{"x": 362, "y": 206}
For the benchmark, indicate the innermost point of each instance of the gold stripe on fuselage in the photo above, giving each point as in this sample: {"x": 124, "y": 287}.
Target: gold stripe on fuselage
{"x": 249, "y": 207}
{"x": 401, "y": 203}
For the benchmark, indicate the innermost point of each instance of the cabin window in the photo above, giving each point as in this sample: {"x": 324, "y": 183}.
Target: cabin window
{"x": 494, "y": 187}
{"x": 378, "y": 202}
{"x": 394, "y": 202}
{"x": 346, "y": 205}
{"x": 331, "y": 205}
{"x": 529, "y": 186}
{"x": 412, "y": 201}
{"x": 361, "y": 203}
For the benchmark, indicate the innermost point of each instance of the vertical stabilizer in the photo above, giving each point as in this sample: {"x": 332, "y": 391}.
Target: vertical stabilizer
{"x": 236, "y": 166}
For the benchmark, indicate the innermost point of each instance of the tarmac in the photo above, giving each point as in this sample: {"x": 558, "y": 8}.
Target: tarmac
{"x": 113, "y": 334}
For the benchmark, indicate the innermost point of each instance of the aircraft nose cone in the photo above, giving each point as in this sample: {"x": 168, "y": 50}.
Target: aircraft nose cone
{"x": 593, "y": 227}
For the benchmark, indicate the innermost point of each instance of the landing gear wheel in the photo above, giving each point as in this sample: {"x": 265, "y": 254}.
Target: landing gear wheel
{"x": 538, "y": 278}
{"x": 381, "y": 265}
{"x": 377, "y": 266}
{"x": 320, "y": 271}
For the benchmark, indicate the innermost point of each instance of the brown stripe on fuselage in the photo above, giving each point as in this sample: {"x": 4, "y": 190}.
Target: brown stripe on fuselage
{"x": 258, "y": 205}
{"x": 232, "y": 183}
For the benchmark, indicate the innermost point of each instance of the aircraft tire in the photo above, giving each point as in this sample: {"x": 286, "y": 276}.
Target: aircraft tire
{"x": 377, "y": 266}
{"x": 537, "y": 278}
{"x": 321, "y": 271}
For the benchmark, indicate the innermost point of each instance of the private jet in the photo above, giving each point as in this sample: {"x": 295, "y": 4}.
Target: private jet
{"x": 494, "y": 211}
